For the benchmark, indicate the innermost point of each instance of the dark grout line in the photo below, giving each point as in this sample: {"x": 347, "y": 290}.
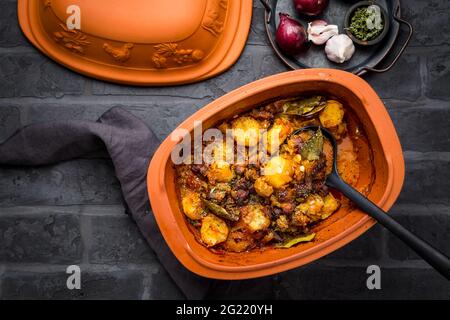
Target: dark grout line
{"x": 75, "y": 209}
{"x": 90, "y": 267}
{"x": 103, "y": 100}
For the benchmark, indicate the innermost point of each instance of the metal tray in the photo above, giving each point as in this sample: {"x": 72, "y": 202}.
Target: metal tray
{"x": 365, "y": 58}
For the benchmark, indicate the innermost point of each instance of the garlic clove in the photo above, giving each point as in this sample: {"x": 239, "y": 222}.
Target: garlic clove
{"x": 323, "y": 34}
{"x": 339, "y": 48}
{"x": 317, "y": 23}
{"x": 319, "y": 31}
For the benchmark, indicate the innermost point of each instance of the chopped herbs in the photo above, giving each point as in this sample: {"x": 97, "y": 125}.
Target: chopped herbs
{"x": 366, "y": 23}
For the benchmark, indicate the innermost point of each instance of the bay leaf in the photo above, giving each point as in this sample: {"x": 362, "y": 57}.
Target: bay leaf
{"x": 304, "y": 106}
{"x": 313, "y": 147}
{"x": 294, "y": 241}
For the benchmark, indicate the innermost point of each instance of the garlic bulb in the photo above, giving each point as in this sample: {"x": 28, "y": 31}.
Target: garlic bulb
{"x": 339, "y": 48}
{"x": 319, "y": 31}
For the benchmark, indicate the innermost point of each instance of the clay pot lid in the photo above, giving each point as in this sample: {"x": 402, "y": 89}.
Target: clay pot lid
{"x": 140, "y": 42}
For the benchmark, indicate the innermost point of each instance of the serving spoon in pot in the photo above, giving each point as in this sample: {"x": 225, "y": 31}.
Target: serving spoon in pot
{"x": 435, "y": 258}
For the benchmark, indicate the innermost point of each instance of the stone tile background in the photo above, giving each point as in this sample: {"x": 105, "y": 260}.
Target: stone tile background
{"x": 72, "y": 213}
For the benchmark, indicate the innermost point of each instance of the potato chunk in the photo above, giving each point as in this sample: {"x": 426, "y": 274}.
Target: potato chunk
{"x": 246, "y": 131}
{"x": 192, "y": 205}
{"x": 277, "y": 134}
{"x": 330, "y": 205}
{"x": 220, "y": 171}
{"x": 213, "y": 230}
{"x": 238, "y": 241}
{"x": 332, "y": 115}
{"x": 262, "y": 188}
{"x": 282, "y": 223}
{"x": 312, "y": 207}
{"x": 278, "y": 171}
{"x": 300, "y": 219}
{"x": 255, "y": 218}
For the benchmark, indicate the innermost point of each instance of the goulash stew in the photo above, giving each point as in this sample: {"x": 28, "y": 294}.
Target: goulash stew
{"x": 263, "y": 185}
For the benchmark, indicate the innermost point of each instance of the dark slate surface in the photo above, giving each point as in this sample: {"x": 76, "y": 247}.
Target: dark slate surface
{"x": 72, "y": 213}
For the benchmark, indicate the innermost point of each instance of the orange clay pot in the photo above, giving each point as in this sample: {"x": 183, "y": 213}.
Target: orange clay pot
{"x": 140, "y": 42}
{"x": 336, "y": 231}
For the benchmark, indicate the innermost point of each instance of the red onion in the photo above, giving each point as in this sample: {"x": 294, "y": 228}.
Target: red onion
{"x": 310, "y": 7}
{"x": 290, "y": 36}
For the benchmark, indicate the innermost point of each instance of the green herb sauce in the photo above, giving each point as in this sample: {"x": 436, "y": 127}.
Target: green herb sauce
{"x": 358, "y": 25}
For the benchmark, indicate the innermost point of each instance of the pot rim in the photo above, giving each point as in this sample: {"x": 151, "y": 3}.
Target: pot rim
{"x": 383, "y": 126}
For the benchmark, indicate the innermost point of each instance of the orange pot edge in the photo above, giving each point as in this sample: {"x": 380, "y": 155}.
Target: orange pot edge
{"x": 386, "y": 148}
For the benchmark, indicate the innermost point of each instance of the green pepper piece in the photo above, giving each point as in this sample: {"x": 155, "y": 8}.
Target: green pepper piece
{"x": 219, "y": 211}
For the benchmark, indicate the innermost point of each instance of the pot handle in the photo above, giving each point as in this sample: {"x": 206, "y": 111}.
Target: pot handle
{"x": 410, "y": 33}
{"x": 434, "y": 257}
{"x": 266, "y": 5}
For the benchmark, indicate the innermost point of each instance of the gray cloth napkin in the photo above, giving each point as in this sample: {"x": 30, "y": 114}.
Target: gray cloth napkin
{"x": 130, "y": 144}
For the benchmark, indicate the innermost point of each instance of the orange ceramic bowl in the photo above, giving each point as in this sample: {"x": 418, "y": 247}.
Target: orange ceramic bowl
{"x": 139, "y": 42}
{"x": 345, "y": 226}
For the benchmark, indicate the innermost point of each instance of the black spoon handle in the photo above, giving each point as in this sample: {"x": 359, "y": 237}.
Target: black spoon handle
{"x": 435, "y": 258}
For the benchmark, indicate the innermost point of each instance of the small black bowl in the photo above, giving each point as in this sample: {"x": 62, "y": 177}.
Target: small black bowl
{"x": 349, "y": 15}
